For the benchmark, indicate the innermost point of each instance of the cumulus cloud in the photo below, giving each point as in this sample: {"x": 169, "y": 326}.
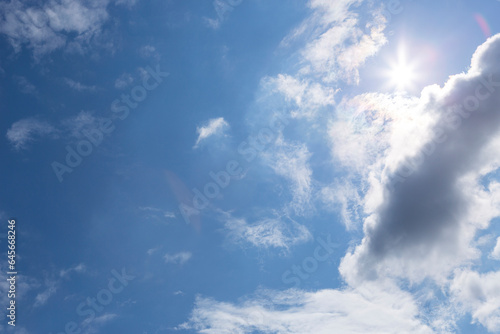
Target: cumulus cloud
{"x": 368, "y": 310}
{"x": 178, "y": 258}
{"x": 22, "y": 132}
{"x": 414, "y": 173}
{"x": 214, "y": 127}
{"x": 427, "y": 203}
{"x": 478, "y": 294}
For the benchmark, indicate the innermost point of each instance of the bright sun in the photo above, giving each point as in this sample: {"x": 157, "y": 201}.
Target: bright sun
{"x": 401, "y": 74}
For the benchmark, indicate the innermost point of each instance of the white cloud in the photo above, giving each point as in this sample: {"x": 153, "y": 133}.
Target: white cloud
{"x": 42, "y": 298}
{"x": 79, "y": 268}
{"x": 308, "y": 96}
{"x": 479, "y": 294}
{"x": 78, "y": 86}
{"x": 213, "y": 23}
{"x": 178, "y": 258}
{"x": 22, "y": 132}
{"x": 105, "y": 318}
{"x": 425, "y": 202}
{"x": 25, "y": 86}
{"x": 365, "y": 127}
{"x": 337, "y": 45}
{"x": 496, "y": 251}
{"x": 222, "y": 9}
{"x": 149, "y": 51}
{"x": 414, "y": 172}
{"x": 347, "y": 196}
{"x": 156, "y": 213}
{"x": 92, "y": 325}
{"x": 291, "y": 161}
{"x": 278, "y": 232}
{"x": 151, "y": 251}
{"x": 368, "y": 310}
{"x": 47, "y": 27}
{"x": 124, "y": 81}
{"x": 127, "y": 3}
{"x": 214, "y": 127}
{"x": 75, "y": 125}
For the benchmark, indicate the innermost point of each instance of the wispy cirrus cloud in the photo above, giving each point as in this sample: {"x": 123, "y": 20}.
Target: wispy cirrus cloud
{"x": 78, "y": 86}
{"x": 291, "y": 161}
{"x": 178, "y": 258}
{"x": 79, "y": 268}
{"x": 93, "y": 324}
{"x": 309, "y": 96}
{"x": 277, "y": 232}
{"x": 42, "y": 297}
{"x": 214, "y": 127}
{"x": 71, "y": 24}
{"x": 25, "y": 86}
{"x": 46, "y": 28}
{"x": 337, "y": 42}
{"x": 25, "y": 131}
{"x": 157, "y": 214}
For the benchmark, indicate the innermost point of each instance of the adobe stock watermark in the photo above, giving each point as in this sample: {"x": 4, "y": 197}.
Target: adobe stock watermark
{"x": 453, "y": 120}
{"x": 222, "y": 8}
{"x": 121, "y": 109}
{"x": 248, "y": 150}
{"x": 392, "y": 8}
{"x": 310, "y": 264}
{"x": 93, "y": 305}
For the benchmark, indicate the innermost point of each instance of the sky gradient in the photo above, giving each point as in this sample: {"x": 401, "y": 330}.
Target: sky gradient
{"x": 251, "y": 166}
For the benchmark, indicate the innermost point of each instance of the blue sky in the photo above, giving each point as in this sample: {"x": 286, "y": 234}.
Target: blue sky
{"x": 251, "y": 166}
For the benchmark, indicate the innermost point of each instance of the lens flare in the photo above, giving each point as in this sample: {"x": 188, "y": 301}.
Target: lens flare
{"x": 401, "y": 73}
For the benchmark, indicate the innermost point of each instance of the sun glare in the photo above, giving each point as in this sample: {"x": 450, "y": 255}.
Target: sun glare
{"x": 401, "y": 74}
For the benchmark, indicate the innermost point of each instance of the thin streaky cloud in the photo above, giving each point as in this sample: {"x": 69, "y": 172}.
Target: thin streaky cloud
{"x": 78, "y": 86}
{"x": 25, "y": 131}
{"x": 178, "y": 258}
